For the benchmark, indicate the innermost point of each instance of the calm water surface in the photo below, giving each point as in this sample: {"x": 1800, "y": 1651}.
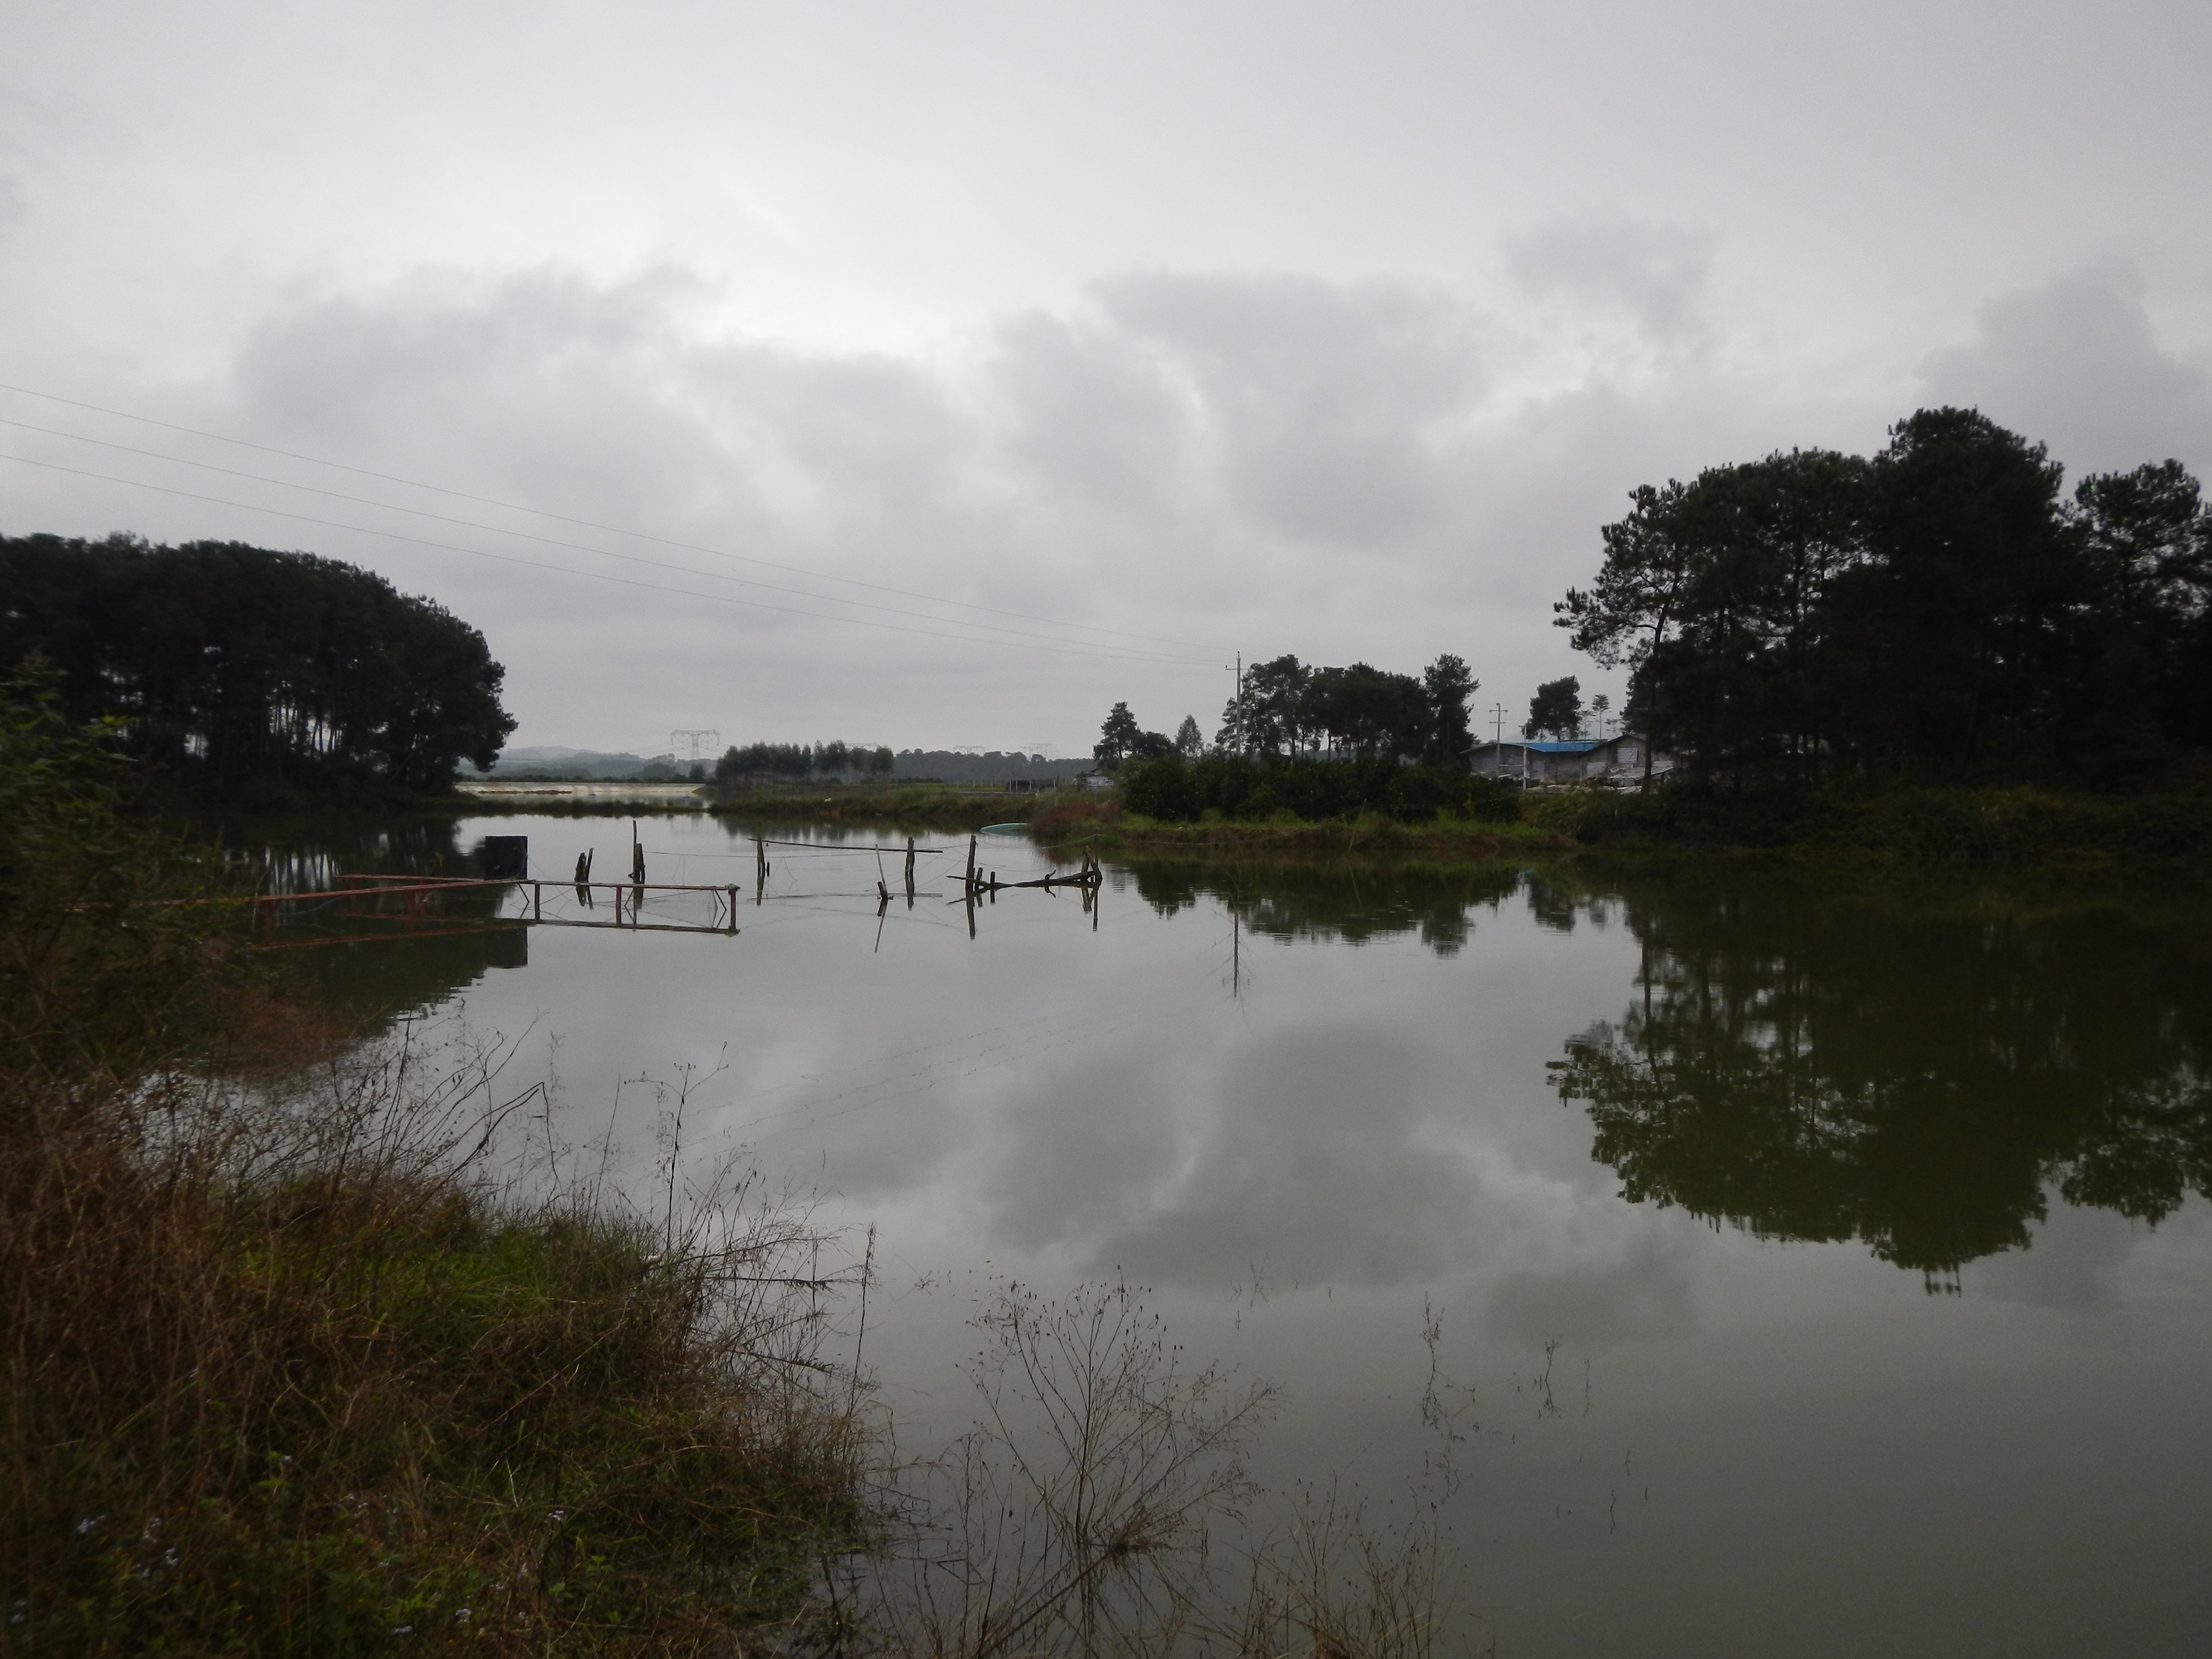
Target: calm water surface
{"x": 1818, "y": 1270}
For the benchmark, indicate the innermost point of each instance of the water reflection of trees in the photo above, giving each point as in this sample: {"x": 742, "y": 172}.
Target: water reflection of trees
{"x": 1909, "y": 1076}
{"x": 380, "y": 978}
{"x": 1335, "y": 903}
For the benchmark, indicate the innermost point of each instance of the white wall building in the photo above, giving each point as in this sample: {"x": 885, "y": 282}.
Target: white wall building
{"x": 1616, "y": 759}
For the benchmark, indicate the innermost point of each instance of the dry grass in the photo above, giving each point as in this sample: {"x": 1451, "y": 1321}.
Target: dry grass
{"x": 287, "y": 1375}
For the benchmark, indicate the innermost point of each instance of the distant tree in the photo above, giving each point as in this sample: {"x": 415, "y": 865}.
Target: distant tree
{"x": 2149, "y": 536}
{"x": 1601, "y": 706}
{"x": 1190, "y": 741}
{"x": 1151, "y": 745}
{"x": 775, "y": 760}
{"x": 1712, "y": 594}
{"x": 1449, "y": 685}
{"x": 1118, "y": 737}
{"x": 1268, "y": 716}
{"x": 1961, "y": 632}
{"x": 1940, "y": 608}
{"x": 233, "y": 668}
{"x": 1634, "y": 605}
{"x": 1557, "y": 708}
{"x": 1366, "y": 711}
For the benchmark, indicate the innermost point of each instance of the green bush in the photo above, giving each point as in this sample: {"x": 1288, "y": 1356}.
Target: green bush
{"x": 1175, "y": 791}
{"x": 1979, "y": 827}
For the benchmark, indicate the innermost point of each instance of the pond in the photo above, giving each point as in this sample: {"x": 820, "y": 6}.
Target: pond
{"x": 1747, "y": 1263}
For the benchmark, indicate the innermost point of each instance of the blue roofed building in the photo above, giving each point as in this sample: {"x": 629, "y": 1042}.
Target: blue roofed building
{"x": 1618, "y": 760}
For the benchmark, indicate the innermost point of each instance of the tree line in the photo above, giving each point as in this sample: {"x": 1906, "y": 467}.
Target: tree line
{"x": 1314, "y": 742}
{"x": 1286, "y": 709}
{"x": 241, "y": 672}
{"x": 799, "y": 760}
{"x": 1942, "y": 608}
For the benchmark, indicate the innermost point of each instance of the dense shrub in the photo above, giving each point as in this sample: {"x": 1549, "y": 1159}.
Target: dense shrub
{"x": 1176, "y": 791}
{"x": 1923, "y": 825}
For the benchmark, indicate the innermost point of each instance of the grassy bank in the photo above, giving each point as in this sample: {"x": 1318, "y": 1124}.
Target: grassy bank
{"x": 1107, "y": 828}
{"x": 912, "y": 806}
{"x": 273, "y": 1390}
{"x": 285, "y": 1370}
{"x": 1964, "y": 828}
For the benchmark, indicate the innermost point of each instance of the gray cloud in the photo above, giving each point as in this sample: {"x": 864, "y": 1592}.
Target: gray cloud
{"x": 1354, "y": 469}
{"x": 2076, "y": 363}
{"x": 15, "y": 207}
{"x": 1658, "y": 275}
{"x": 1324, "y": 398}
{"x": 1091, "y": 415}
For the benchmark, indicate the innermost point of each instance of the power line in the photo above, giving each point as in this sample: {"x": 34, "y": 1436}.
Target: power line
{"x": 526, "y": 535}
{"x": 1065, "y": 648}
{"x": 585, "y": 524}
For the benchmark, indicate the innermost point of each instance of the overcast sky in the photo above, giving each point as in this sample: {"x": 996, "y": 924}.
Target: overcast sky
{"x": 1103, "y": 340}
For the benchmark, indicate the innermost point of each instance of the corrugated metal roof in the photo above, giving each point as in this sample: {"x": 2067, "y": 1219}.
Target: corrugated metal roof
{"x": 1552, "y": 746}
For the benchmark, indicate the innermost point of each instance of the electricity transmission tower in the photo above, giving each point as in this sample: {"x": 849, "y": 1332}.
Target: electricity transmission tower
{"x": 703, "y": 745}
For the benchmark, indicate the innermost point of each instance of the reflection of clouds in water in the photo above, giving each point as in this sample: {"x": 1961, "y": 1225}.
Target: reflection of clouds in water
{"x": 2073, "y": 1259}
{"x": 897, "y": 1119}
{"x": 1087, "y": 1146}
{"x": 1643, "y": 1293}
{"x": 1313, "y": 1166}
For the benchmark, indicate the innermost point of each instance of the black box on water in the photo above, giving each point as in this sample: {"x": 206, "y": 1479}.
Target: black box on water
{"x": 506, "y": 858}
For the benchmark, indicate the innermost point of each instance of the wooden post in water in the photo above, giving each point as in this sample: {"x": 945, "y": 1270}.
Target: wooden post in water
{"x": 909, "y": 872}
{"x": 733, "y": 907}
{"x": 970, "y": 877}
{"x": 760, "y": 868}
